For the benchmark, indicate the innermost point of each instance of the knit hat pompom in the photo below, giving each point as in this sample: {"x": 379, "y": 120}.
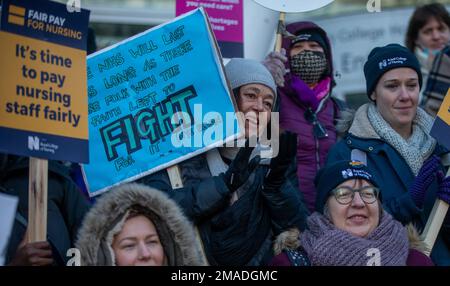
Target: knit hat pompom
{"x": 335, "y": 174}
{"x": 384, "y": 59}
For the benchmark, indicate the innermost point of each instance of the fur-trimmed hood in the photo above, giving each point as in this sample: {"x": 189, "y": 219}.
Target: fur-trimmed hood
{"x": 357, "y": 123}
{"x": 107, "y": 217}
{"x": 290, "y": 240}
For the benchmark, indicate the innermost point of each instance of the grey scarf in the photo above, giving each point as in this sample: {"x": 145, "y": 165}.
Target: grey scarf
{"x": 417, "y": 148}
{"x": 328, "y": 246}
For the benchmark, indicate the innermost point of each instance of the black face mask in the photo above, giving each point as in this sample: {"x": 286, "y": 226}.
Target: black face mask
{"x": 310, "y": 66}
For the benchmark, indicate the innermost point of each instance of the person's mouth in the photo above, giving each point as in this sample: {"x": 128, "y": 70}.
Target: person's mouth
{"x": 404, "y": 108}
{"x": 357, "y": 218}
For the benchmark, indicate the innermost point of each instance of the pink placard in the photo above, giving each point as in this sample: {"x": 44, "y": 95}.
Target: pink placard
{"x": 226, "y": 18}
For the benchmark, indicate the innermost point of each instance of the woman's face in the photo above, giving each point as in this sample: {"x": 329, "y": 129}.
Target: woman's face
{"x": 138, "y": 244}
{"x": 357, "y": 218}
{"x": 434, "y": 35}
{"x": 255, "y": 100}
{"x": 305, "y": 46}
{"x": 397, "y": 95}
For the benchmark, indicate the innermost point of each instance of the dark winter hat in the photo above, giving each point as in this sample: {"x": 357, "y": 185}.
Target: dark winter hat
{"x": 383, "y": 59}
{"x": 246, "y": 71}
{"x": 310, "y": 35}
{"x": 335, "y": 174}
{"x": 313, "y": 35}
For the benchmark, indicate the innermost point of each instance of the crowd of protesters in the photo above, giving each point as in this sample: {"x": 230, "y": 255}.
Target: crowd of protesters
{"x": 344, "y": 185}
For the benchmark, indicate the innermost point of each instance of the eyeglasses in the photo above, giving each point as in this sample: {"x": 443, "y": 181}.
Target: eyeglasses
{"x": 344, "y": 195}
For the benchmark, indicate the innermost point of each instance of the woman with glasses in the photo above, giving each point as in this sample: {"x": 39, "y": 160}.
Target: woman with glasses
{"x": 391, "y": 134}
{"x": 350, "y": 227}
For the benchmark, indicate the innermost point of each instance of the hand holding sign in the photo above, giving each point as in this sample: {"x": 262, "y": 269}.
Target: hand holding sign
{"x": 32, "y": 254}
{"x": 424, "y": 178}
{"x": 444, "y": 187}
{"x": 274, "y": 62}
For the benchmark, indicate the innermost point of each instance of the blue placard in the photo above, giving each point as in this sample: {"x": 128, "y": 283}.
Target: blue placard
{"x": 134, "y": 89}
{"x": 46, "y": 20}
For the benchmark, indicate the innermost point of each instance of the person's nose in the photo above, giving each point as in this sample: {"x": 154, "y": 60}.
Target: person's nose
{"x": 357, "y": 200}
{"x": 144, "y": 252}
{"x": 404, "y": 94}
{"x": 259, "y": 105}
{"x": 435, "y": 35}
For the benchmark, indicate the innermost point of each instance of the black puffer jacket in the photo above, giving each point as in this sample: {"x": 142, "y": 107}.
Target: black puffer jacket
{"x": 240, "y": 233}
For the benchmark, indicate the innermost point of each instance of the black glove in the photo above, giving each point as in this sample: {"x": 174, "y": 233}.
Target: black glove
{"x": 240, "y": 168}
{"x": 275, "y": 177}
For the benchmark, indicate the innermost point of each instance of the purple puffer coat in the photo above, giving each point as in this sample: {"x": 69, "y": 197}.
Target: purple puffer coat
{"x": 311, "y": 151}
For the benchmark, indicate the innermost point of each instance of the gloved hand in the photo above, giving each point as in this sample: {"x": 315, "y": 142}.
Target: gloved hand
{"x": 304, "y": 93}
{"x": 274, "y": 62}
{"x": 275, "y": 177}
{"x": 426, "y": 175}
{"x": 240, "y": 168}
{"x": 444, "y": 187}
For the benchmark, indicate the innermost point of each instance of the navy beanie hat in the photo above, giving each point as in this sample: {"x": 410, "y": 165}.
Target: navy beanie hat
{"x": 383, "y": 59}
{"x": 335, "y": 174}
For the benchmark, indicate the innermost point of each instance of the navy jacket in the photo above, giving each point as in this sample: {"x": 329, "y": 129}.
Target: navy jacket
{"x": 395, "y": 177}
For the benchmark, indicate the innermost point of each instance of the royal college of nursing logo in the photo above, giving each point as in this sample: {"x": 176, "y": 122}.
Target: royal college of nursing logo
{"x": 353, "y": 170}
{"x": 391, "y": 61}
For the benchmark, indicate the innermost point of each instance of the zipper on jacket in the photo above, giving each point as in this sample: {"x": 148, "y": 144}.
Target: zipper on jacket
{"x": 317, "y": 154}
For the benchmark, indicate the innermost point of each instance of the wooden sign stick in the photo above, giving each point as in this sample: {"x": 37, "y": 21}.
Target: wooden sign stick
{"x": 434, "y": 223}
{"x": 279, "y": 40}
{"x": 37, "y": 200}
{"x": 176, "y": 182}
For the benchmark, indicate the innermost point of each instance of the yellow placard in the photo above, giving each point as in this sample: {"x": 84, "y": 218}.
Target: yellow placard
{"x": 444, "y": 110}
{"x": 43, "y": 87}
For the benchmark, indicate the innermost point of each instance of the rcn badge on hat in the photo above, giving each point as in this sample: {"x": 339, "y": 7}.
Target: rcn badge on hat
{"x": 356, "y": 170}
{"x": 391, "y": 61}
